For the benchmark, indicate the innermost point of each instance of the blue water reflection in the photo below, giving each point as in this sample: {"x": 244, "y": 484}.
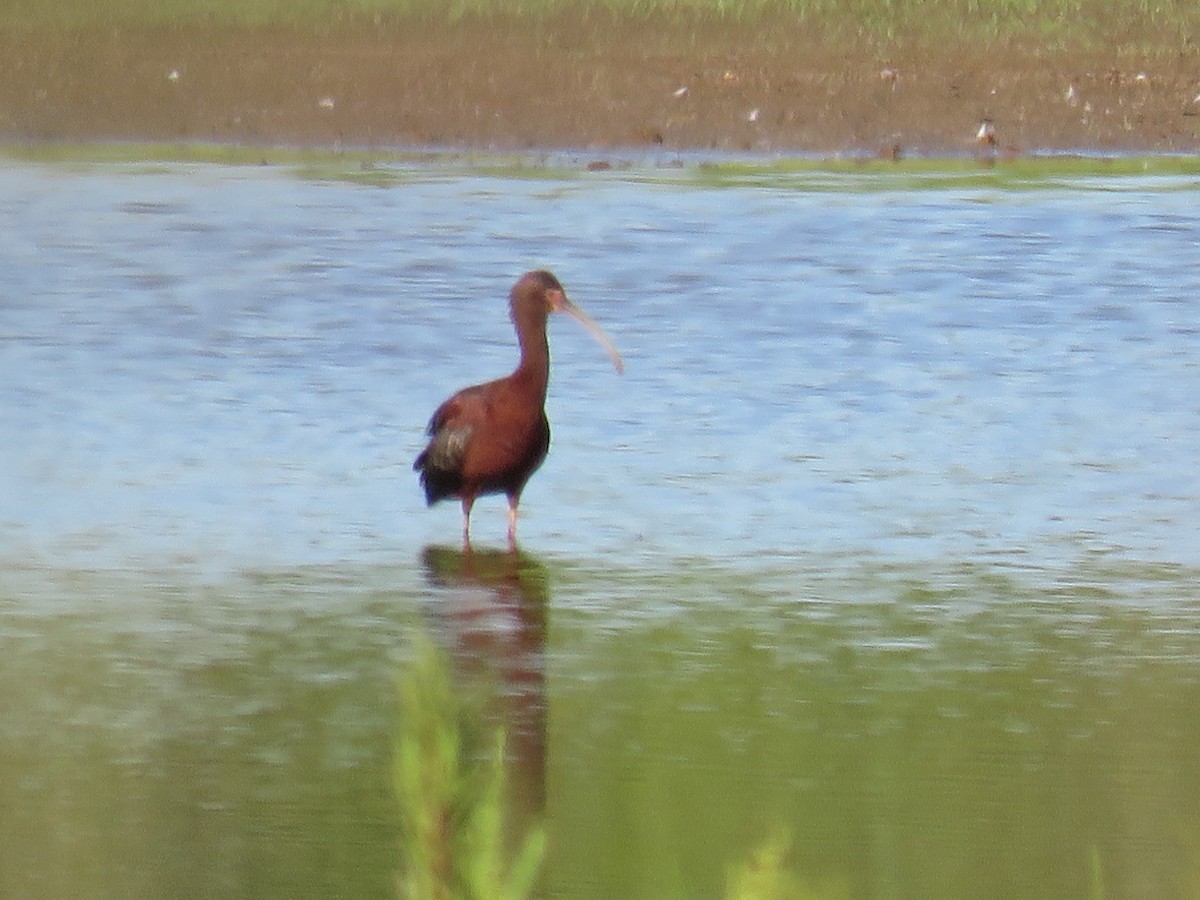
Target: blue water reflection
{"x": 887, "y": 535}
{"x": 233, "y": 366}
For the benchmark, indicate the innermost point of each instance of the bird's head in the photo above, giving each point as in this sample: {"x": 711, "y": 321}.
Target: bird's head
{"x": 539, "y": 293}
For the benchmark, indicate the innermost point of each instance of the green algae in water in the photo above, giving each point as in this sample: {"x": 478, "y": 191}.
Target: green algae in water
{"x": 392, "y": 168}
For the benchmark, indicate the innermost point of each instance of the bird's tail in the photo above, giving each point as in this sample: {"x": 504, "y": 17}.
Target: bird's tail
{"x": 437, "y": 483}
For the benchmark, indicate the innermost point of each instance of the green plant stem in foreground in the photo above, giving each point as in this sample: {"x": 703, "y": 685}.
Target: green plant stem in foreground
{"x": 451, "y": 797}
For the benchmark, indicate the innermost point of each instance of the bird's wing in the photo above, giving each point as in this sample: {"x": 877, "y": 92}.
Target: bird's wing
{"x": 446, "y": 451}
{"x": 450, "y": 430}
{"x": 468, "y": 405}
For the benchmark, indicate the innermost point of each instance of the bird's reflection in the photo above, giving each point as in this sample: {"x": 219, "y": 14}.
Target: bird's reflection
{"x": 490, "y": 614}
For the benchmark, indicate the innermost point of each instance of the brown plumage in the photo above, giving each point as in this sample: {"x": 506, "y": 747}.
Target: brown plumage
{"x": 490, "y": 438}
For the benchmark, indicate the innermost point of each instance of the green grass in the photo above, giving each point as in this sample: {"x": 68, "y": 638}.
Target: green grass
{"x": 1022, "y": 173}
{"x": 449, "y": 786}
{"x": 387, "y": 169}
{"x": 1117, "y": 22}
{"x": 767, "y": 875}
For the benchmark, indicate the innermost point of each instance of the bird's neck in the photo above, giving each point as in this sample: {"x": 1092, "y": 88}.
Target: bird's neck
{"x": 534, "y": 367}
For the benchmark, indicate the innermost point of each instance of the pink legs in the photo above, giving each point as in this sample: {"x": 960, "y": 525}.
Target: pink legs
{"x": 512, "y": 521}
{"x": 468, "y": 502}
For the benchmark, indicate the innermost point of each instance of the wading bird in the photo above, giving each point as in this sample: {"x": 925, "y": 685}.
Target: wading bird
{"x": 489, "y": 438}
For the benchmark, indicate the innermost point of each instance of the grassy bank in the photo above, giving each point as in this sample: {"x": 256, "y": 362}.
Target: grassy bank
{"x": 390, "y": 168}
{"x": 1117, "y": 23}
{"x": 831, "y": 77}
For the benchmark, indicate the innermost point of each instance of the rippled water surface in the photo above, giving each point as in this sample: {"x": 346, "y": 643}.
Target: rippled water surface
{"x": 885, "y": 542}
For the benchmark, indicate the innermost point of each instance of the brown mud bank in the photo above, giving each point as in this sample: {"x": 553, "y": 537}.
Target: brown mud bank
{"x": 511, "y": 85}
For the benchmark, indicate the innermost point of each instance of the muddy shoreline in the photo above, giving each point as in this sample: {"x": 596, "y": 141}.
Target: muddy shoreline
{"x": 564, "y": 85}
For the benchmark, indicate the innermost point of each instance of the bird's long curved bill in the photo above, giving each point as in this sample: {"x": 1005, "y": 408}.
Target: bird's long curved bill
{"x": 596, "y": 331}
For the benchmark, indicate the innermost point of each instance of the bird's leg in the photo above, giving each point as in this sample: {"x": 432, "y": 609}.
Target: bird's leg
{"x": 467, "y": 502}
{"x": 512, "y": 521}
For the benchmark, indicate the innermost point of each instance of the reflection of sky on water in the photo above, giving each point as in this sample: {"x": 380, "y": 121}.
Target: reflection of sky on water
{"x": 888, "y": 432}
{"x": 216, "y": 364}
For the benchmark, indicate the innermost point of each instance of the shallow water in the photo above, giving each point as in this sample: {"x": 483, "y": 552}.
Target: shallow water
{"x": 886, "y": 539}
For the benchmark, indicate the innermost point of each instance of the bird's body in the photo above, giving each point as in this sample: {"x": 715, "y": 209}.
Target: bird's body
{"x": 486, "y": 439}
{"x": 490, "y": 438}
